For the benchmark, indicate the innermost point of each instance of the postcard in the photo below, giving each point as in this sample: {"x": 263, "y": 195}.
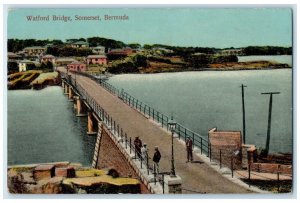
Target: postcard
{"x": 169, "y": 100}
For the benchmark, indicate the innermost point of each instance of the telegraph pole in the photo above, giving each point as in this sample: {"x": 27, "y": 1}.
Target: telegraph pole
{"x": 269, "y": 119}
{"x": 244, "y": 121}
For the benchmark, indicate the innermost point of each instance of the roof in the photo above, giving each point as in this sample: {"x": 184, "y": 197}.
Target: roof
{"x": 96, "y": 56}
{"x": 11, "y": 54}
{"x": 48, "y": 56}
{"x": 64, "y": 59}
{"x": 226, "y": 50}
{"x": 26, "y": 61}
{"x": 80, "y": 42}
{"x": 76, "y": 63}
{"x": 118, "y": 51}
{"x": 44, "y": 167}
{"x": 98, "y": 47}
{"x": 35, "y": 47}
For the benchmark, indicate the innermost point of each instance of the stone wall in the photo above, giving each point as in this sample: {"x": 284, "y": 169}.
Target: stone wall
{"x": 226, "y": 147}
{"x": 112, "y": 155}
{"x": 271, "y": 168}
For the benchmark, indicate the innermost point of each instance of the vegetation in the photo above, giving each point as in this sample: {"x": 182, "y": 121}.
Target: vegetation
{"x": 100, "y": 41}
{"x": 15, "y": 45}
{"x": 89, "y": 172}
{"x": 68, "y": 51}
{"x": 201, "y": 60}
{"x": 130, "y": 64}
{"x": 123, "y": 66}
{"x": 268, "y": 50}
{"x": 159, "y": 59}
{"x": 153, "y": 58}
{"x": 134, "y": 45}
{"x": 46, "y": 66}
{"x": 12, "y": 67}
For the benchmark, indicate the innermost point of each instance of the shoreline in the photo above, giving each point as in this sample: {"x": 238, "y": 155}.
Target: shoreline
{"x": 207, "y": 69}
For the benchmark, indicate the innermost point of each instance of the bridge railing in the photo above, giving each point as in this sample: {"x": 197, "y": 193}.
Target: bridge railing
{"x": 163, "y": 120}
{"x": 183, "y": 132}
{"x": 118, "y": 132}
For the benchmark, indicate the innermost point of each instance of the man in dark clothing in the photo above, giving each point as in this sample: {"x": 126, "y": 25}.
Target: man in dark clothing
{"x": 189, "y": 149}
{"x": 156, "y": 159}
{"x": 137, "y": 145}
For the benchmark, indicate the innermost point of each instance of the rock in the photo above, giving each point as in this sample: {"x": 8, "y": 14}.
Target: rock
{"x": 28, "y": 178}
{"x": 113, "y": 172}
{"x": 15, "y": 182}
{"x": 47, "y": 186}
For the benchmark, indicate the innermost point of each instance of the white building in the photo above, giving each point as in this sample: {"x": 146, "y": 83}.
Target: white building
{"x": 98, "y": 50}
{"x": 23, "y": 65}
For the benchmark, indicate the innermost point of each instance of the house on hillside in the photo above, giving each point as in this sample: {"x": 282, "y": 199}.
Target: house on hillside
{"x": 96, "y": 59}
{"x": 48, "y": 58}
{"x": 98, "y": 50}
{"x": 227, "y": 52}
{"x": 34, "y": 51}
{"x": 124, "y": 51}
{"x": 79, "y": 44}
{"x": 13, "y": 57}
{"x": 163, "y": 50}
{"x": 76, "y": 66}
{"x": 64, "y": 61}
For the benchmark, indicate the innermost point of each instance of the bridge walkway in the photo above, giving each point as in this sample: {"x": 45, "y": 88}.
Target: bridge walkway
{"x": 197, "y": 177}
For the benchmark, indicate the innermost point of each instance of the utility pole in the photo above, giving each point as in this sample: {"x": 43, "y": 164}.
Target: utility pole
{"x": 269, "y": 120}
{"x": 244, "y": 121}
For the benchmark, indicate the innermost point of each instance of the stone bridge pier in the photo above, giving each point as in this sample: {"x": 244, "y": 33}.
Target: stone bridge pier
{"x": 65, "y": 87}
{"x": 80, "y": 106}
{"x": 92, "y": 127}
{"x": 70, "y": 93}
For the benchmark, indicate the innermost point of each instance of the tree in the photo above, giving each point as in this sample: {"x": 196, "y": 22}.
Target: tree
{"x": 123, "y": 67}
{"x": 15, "y": 45}
{"x": 267, "y": 50}
{"x": 12, "y": 66}
{"x": 46, "y": 66}
{"x": 108, "y": 43}
{"x": 140, "y": 60}
{"x": 134, "y": 45}
{"x": 147, "y": 46}
{"x": 30, "y": 66}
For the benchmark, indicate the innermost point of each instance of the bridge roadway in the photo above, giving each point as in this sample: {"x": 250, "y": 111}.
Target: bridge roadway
{"x": 197, "y": 177}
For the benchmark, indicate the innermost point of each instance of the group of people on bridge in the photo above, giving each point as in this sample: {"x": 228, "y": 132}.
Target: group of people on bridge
{"x": 141, "y": 152}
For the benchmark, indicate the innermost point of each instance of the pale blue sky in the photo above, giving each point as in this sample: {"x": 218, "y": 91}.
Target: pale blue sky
{"x": 205, "y": 27}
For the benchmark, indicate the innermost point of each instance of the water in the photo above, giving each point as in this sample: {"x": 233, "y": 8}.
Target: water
{"x": 42, "y": 127}
{"x": 203, "y": 100}
{"x": 275, "y": 58}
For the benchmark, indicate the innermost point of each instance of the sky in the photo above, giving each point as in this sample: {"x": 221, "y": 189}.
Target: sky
{"x": 203, "y": 27}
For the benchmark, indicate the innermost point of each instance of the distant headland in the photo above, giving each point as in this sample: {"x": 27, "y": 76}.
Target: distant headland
{"x": 98, "y": 54}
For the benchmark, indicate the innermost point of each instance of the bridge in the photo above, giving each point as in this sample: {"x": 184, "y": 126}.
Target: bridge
{"x": 117, "y": 118}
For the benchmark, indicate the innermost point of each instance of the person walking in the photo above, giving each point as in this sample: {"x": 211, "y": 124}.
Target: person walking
{"x": 137, "y": 146}
{"x": 156, "y": 159}
{"x": 189, "y": 149}
{"x": 144, "y": 152}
